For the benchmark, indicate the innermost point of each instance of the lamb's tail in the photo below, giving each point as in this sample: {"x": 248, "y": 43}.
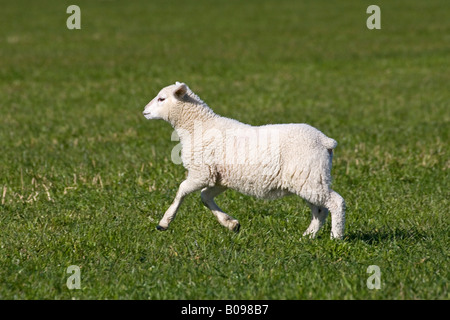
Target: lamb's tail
{"x": 329, "y": 143}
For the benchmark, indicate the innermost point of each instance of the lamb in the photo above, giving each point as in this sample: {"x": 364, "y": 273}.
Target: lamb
{"x": 267, "y": 162}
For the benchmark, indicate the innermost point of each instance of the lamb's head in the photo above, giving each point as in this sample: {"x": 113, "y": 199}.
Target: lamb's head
{"x": 167, "y": 98}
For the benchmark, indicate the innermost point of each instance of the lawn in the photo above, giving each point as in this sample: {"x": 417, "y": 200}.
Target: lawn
{"x": 84, "y": 178}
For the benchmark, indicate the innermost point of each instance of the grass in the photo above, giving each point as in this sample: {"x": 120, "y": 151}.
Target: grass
{"x": 84, "y": 179}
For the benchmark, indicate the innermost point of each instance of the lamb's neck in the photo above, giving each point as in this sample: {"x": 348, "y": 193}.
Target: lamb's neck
{"x": 192, "y": 118}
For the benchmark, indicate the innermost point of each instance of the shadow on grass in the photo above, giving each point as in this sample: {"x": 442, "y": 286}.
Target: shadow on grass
{"x": 386, "y": 234}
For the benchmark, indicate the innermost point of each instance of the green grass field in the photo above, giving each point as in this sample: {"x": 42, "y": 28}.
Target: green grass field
{"x": 84, "y": 178}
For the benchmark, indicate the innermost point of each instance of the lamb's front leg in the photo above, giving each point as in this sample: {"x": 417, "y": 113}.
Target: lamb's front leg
{"x": 207, "y": 196}
{"x": 186, "y": 187}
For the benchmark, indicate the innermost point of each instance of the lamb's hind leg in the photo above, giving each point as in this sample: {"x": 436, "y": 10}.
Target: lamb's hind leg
{"x": 318, "y": 217}
{"x": 336, "y": 205}
{"x": 207, "y": 197}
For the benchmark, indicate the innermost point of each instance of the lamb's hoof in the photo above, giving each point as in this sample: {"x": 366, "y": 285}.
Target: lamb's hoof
{"x": 309, "y": 234}
{"x": 235, "y": 226}
{"x": 158, "y": 227}
{"x": 337, "y": 235}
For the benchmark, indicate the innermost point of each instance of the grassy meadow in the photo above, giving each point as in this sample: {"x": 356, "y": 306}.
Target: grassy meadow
{"x": 84, "y": 178}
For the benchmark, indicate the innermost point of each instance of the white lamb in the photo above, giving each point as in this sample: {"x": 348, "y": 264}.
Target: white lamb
{"x": 267, "y": 162}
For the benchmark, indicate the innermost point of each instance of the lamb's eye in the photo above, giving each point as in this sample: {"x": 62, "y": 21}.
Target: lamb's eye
{"x": 161, "y": 99}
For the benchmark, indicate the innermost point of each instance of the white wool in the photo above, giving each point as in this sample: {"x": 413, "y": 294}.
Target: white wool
{"x": 267, "y": 162}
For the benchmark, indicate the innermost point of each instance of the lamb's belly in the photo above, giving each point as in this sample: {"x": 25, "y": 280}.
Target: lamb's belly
{"x": 262, "y": 193}
{"x": 256, "y": 185}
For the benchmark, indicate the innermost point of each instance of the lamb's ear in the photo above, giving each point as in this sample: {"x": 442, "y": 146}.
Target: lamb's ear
{"x": 180, "y": 90}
